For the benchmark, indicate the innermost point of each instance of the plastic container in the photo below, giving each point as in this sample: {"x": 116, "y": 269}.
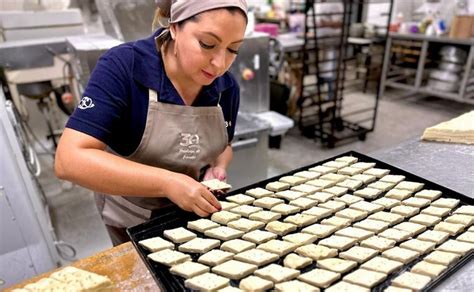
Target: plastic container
{"x": 270, "y": 28}
{"x": 279, "y": 123}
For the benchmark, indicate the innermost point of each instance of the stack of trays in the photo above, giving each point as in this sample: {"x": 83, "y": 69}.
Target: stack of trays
{"x": 446, "y": 78}
{"x": 350, "y": 223}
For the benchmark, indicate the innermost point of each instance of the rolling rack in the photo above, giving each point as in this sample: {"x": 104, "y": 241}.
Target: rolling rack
{"x": 325, "y": 113}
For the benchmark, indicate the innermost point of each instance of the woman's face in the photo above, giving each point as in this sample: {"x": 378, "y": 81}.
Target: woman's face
{"x": 207, "y": 46}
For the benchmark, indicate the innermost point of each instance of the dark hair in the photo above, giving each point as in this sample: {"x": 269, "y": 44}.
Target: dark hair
{"x": 161, "y": 16}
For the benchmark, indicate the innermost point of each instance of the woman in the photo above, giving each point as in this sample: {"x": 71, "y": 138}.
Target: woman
{"x": 158, "y": 115}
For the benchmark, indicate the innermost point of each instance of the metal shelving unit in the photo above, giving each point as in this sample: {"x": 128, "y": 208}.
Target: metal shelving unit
{"x": 328, "y": 112}
{"x": 409, "y": 59}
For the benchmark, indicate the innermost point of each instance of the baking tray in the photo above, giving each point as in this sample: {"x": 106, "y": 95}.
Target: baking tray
{"x": 174, "y": 217}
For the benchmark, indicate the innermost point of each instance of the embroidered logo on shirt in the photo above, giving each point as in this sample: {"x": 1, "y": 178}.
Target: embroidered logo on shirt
{"x": 228, "y": 124}
{"x": 189, "y": 146}
{"x": 86, "y": 103}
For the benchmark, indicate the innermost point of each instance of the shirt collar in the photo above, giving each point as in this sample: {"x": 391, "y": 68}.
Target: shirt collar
{"x": 149, "y": 71}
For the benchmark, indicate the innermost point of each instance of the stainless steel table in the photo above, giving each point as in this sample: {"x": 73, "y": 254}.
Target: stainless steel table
{"x": 450, "y": 165}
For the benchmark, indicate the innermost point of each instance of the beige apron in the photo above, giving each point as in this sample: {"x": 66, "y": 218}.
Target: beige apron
{"x": 178, "y": 138}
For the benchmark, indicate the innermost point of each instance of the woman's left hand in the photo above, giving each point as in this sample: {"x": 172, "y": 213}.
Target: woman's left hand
{"x": 216, "y": 172}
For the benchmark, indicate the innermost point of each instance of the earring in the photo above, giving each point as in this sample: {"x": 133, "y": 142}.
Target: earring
{"x": 175, "y": 50}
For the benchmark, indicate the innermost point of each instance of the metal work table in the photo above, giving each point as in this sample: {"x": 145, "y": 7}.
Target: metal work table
{"x": 450, "y": 165}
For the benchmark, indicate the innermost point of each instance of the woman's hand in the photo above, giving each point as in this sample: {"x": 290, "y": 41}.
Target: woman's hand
{"x": 191, "y": 195}
{"x": 215, "y": 172}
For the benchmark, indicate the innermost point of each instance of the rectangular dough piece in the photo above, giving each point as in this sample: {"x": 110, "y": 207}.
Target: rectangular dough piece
{"x": 398, "y": 194}
{"x": 336, "y": 164}
{"x": 224, "y": 217}
{"x": 304, "y": 203}
{"x": 420, "y": 246}
{"x": 465, "y": 210}
{"x": 289, "y": 195}
{"x": 295, "y": 286}
{"x": 338, "y": 242}
{"x": 378, "y": 172}
{"x": 410, "y": 186}
{"x": 225, "y": 206}
{"x": 381, "y": 185}
{"x": 437, "y": 237}
{"x": 169, "y": 257}
{"x": 388, "y": 203}
{"x": 342, "y": 286}
{"x": 259, "y": 193}
{"x": 237, "y": 245}
{"x": 364, "y": 178}
{"x": 350, "y": 184}
{"x": 436, "y": 211}
{"x": 365, "y": 278}
{"x": 278, "y": 247}
{"x": 466, "y": 237}
{"x": 215, "y": 257}
{"x": 446, "y": 203}
{"x": 465, "y": 220}
{"x": 367, "y": 207}
{"x": 277, "y": 186}
{"x": 363, "y": 165}
{"x": 277, "y": 273}
{"x": 245, "y": 224}
{"x": 199, "y": 245}
{"x": 72, "y": 278}
{"x": 234, "y": 270}
{"x": 268, "y": 202}
{"x": 294, "y": 261}
{"x": 401, "y": 254}
{"x": 348, "y": 159}
{"x": 156, "y": 244}
{"x": 339, "y": 222}
{"x": 428, "y": 269}
{"x": 333, "y": 205}
{"x": 349, "y": 171}
{"x": 352, "y": 214}
{"x": 321, "y": 197}
{"x": 451, "y": 228}
{"x": 429, "y": 194}
{"x": 301, "y": 220}
{"x": 285, "y": 209}
{"x": 368, "y": 193}
{"x": 348, "y": 199}
{"x": 308, "y": 175}
{"x": 255, "y": 256}
{"x": 216, "y": 185}
{"x": 206, "y": 282}
{"x": 336, "y": 190}
{"x": 337, "y": 265}
{"x": 395, "y": 234}
{"x": 323, "y": 169}
{"x": 353, "y": 232}
{"x": 442, "y": 257}
{"x": 393, "y": 178}
{"x": 321, "y": 183}
{"x": 388, "y": 217}
{"x": 316, "y": 252}
{"x": 459, "y": 247}
{"x": 411, "y": 281}
{"x": 382, "y": 265}
{"x": 372, "y": 225}
{"x": 265, "y": 216}
{"x": 189, "y": 269}
{"x": 307, "y": 189}
{"x": 293, "y": 180}
{"x": 254, "y": 283}
{"x": 319, "y": 277}
{"x": 224, "y": 233}
{"x": 425, "y": 219}
{"x": 405, "y": 211}
{"x": 179, "y": 235}
{"x": 359, "y": 254}
{"x": 334, "y": 177}
{"x": 416, "y": 202}
{"x": 318, "y": 212}
{"x": 280, "y": 228}
{"x": 202, "y": 225}
{"x": 240, "y": 199}
{"x": 245, "y": 210}
{"x": 320, "y": 230}
{"x": 412, "y": 228}
{"x": 259, "y": 236}
{"x": 378, "y": 243}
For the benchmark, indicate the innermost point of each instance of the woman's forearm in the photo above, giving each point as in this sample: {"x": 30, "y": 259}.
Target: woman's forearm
{"x": 224, "y": 159}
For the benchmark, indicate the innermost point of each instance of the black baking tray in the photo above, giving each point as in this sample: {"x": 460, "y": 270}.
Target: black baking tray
{"x": 174, "y": 217}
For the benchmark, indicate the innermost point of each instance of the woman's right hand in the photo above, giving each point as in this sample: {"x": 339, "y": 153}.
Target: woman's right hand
{"x": 191, "y": 195}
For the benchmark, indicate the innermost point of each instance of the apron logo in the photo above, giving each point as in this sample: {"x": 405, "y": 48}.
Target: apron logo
{"x": 86, "y": 103}
{"x": 189, "y": 146}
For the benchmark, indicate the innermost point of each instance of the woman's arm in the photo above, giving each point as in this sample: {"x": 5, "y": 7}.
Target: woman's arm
{"x": 81, "y": 158}
{"x": 218, "y": 168}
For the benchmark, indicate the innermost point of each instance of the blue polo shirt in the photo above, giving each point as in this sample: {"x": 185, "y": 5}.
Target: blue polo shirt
{"x": 114, "y": 106}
